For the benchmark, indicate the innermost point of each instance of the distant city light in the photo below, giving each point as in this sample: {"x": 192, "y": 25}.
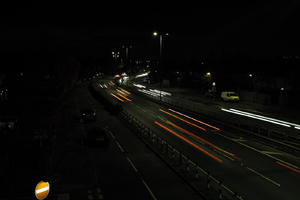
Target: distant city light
{"x": 112, "y": 53}
{"x": 155, "y": 33}
{"x": 282, "y": 89}
{"x": 214, "y": 83}
{"x": 208, "y": 74}
{"x": 250, "y": 75}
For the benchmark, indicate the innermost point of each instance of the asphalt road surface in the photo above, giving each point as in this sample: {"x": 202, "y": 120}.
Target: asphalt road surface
{"x": 253, "y": 170}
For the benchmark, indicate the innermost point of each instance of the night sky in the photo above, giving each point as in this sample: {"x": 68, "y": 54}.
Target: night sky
{"x": 220, "y": 29}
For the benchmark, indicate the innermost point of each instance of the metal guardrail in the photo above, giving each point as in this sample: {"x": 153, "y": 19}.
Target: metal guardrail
{"x": 201, "y": 180}
{"x": 266, "y": 133}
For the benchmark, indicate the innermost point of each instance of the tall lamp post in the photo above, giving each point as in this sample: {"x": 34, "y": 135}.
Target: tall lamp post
{"x": 160, "y": 35}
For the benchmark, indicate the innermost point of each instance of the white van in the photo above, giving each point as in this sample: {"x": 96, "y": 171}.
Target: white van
{"x": 230, "y": 96}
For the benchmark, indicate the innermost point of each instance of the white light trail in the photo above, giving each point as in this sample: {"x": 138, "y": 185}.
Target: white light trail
{"x": 247, "y": 115}
{"x": 142, "y": 75}
{"x": 269, "y": 118}
{"x": 139, "y": 86}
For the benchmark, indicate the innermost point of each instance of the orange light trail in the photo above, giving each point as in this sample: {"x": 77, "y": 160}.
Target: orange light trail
{"x": 211, "y": 126}
{"x": 124, "y": 90}
{"x": 117, "y": 97}
{"x": 189, "y": 142}
{"x": 183, "y": 120}
{"x": 288, "y": 167}
{"x": 121, "y": 92}
{"x": 202, "y": 140}
{"x": 124, "y": 97}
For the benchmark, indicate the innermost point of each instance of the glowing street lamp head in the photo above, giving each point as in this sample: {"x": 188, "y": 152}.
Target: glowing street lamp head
{"x": 250, "y": 75}
{"x": 208, "y": 74}
{"x": 155, "y": 33}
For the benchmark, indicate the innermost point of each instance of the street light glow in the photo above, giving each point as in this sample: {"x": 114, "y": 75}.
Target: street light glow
{"x": 208, "y": 74}
{"x": 250, "y": 75}
{"x": 155, "y": 33}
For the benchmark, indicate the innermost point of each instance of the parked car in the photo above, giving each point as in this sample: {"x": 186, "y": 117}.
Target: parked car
{"x": 97, "y": 137}
{"x": 230, "y": 96}
{"x": 87, "y": 115}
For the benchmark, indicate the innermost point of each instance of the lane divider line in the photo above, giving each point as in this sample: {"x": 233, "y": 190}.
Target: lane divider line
{"x": 120, "y": 147}
{"x": 261, "y": 152}
{"x": 263, "y": 176}
{"x": 132, "y": 165}
{"x": 149, "y": 190}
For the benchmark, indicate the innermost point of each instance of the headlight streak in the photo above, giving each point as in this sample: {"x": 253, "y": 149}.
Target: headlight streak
{"x": 139, "y": 85}
{"x": 124, "y": 90}
{"x": 162, "y": 92}
{"x": 121, "y": 92}
{"x": 195, "y": 119}
{"x": 269, "y": 118}
{"x": 142, "y": 75}
{"x": 201, "y": 128}
{"x": 246, "y": 115}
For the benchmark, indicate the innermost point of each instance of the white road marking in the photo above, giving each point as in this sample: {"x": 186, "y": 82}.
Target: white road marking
{"x": 42, "y": 190}
{"x": 120, "y": 147}
{"x": 132, "y": 165}
{"x": 271, "y": 152}
{"x": 261, "y": 175}
{"x": 259, "y": 151}
{"x": 149, "y": 190}
{"x": 111, "y": 134}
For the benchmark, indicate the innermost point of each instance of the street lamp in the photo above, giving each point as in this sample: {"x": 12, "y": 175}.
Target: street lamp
{"x": 250, "y": 75}
{"x": 155, "y": 34}
{"x": 208, "y": 74}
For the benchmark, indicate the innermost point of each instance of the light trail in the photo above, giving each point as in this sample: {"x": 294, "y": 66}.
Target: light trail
{"x": 117, "y": 97}
{"x": 189, "y": 142}
{"x": 124, "y": 90}
{"x": 246, "y": 115}
{"x": 202, "y": 140}
{"x": 288, "y": 167}
{"x": 264, "y": 117}
{"x": 201, "y": 128}
{"x": 121, "y": 92}
{"x": 211, "y": 126}
{"x": 124, "y": 97}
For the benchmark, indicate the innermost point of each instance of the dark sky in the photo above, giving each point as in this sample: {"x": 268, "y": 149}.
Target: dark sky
{"x": 206, "y": 26}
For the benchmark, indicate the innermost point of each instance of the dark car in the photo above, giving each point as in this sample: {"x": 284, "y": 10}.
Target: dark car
{"x": 8, "y": 124}
{"x": 87, "y": 115}
{"x": 97, "y": 137}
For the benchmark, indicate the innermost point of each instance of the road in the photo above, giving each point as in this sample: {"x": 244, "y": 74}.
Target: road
{"x": 253, "y": 170}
